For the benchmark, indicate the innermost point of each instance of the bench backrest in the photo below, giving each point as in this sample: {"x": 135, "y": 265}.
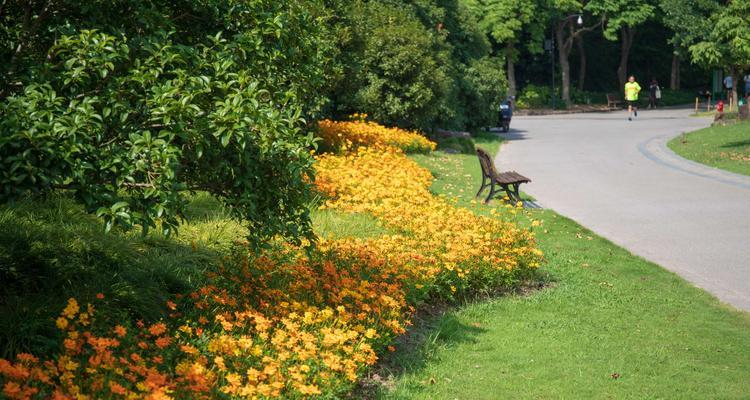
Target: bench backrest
{"x": 612, "y": 97}
{"x": 488, "y": 167}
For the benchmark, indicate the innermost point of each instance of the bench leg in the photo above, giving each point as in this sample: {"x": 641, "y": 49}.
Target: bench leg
{"x": 492, "y": 193}
{"x": 516, "y": 196}
{"x": 484, "y": 185}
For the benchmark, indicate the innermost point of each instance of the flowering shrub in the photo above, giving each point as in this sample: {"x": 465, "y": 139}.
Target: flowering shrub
{"x": 453, "y": 249}
{"x": 290, "y": 323}
{"x": 360, "y": 133}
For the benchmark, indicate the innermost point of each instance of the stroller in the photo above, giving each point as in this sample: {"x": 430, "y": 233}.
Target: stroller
{"x": 506, "y": 113}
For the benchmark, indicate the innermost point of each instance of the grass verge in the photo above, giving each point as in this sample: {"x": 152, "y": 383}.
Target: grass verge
{"x": 725, "y": 147}
{"x": 611, "y": 326}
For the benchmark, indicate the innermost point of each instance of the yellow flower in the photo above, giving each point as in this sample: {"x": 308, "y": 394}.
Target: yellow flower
{"x": 61, "y": 323}
{"x": 71, "y": 309}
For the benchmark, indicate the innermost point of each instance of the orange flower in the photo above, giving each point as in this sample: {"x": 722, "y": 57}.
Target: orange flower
{"x": 116, "y": 388}
{"x": 100, "y": 296}
{"x": 157, "y": 329}
{"x": 163, "y": 342}
{"x": 12, "y": 390}
{"x": 26, "y": 358}
{"x": 120, "y": 331}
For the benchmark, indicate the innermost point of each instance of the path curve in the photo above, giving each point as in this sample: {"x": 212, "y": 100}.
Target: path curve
{"x": 619, "y": 179}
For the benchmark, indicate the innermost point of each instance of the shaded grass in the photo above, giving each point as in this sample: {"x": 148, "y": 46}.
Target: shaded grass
{"x": 612, "y": 326}
{"x": 51, "y": 249}
{"x": 725, "y": 147}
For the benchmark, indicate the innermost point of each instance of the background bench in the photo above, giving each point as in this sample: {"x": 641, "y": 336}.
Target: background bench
{"x": 613, "y": 101}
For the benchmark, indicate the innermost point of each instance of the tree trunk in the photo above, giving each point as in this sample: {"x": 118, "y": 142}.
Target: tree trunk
{"x": 582, "y": 63}
{"x": 511, "y": 69}
{"x": 563, "y": 52}
{"x": 627, "y": 34}
{"x": 733, "y": 73}
{"x": 674, "y": 79}
{"x": 564, "y": 45}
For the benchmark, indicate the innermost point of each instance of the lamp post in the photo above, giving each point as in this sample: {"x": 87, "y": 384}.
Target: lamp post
{"x": 549, "y": 45}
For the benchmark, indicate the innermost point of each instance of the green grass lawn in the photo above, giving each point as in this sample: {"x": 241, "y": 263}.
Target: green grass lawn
{"x": 725, "y": 147}
{"x": 609, "y": 325}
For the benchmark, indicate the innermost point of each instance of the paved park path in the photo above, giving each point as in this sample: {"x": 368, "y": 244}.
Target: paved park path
{"x": 619, "y": 179}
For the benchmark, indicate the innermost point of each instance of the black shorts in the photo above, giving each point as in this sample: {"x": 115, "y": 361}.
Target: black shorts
{"x": 632, "y": 103}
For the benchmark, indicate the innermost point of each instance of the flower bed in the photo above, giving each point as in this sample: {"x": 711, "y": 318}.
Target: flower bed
{"x": 290, "y": 323}
{"x": 338, "y": 135}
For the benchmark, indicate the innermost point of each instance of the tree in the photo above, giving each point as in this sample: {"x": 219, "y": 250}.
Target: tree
{"x": 128, "y": 117}
{"x": 505, "y": 21}
{"x": 689, "y": 21}
{"x": 728, "y": 43}
{"x": 567, "y": 31}
{"x": 622, "y": 17}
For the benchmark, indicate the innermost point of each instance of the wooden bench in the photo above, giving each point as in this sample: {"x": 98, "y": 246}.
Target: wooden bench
{"x": 613, "y": 101}
{"x": 505, "y": 181}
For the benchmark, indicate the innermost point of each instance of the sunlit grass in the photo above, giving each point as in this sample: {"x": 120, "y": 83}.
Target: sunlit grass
{"x": 610, "y": 325}
{"x": 725, "y": 147}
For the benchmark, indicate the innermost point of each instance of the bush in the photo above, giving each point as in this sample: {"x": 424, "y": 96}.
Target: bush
{"x": 533, "y": 96}
{"x": 401, "y": 79}
{"x": 129, "y": 122}
{"x": 485, "y": 88}
{"x": 414, "y": 65}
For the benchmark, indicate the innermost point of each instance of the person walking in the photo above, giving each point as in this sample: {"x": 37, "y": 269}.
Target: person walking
{"x": 747, "y": 85}
{"x": 654, "y": 93}
{"x": 728, "y": 85}
{"x": 632, "y": 88}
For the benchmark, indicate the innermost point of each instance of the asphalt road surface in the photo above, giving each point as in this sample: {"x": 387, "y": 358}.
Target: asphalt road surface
{"x": 620, "y": 180}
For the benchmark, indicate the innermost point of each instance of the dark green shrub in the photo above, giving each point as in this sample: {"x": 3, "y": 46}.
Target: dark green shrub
{"x": 131, "y": 116}
{"x": 486, "y": 87}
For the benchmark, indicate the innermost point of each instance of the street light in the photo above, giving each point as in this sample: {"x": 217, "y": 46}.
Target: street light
{"x": 549, "y": 45}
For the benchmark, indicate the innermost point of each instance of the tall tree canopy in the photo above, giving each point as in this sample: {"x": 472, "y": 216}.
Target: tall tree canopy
{"x": 622, "y": 17}
{"x": 508, "y": 22}
{"x": 728, "y": 43}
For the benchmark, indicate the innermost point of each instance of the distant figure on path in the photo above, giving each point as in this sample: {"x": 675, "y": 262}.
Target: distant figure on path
{"x": 632, "y": 88}
{"x": 747, "y": 85}
{"x": 654, "y": 93}
{"x": 728, "y": 84}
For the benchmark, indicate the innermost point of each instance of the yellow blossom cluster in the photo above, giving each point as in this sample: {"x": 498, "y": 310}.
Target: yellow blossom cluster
{"x": 446, "y": 247}
{"x": 343, "y": 135}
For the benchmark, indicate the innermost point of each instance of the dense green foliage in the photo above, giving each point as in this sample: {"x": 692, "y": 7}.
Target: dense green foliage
{"x": 728, "y": 43}
{"x": 181, "y": 97}
{"x": 415, "y": 64}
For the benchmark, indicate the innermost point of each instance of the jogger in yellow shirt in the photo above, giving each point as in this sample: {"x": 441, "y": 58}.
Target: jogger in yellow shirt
{"x": 632, "y": 88}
